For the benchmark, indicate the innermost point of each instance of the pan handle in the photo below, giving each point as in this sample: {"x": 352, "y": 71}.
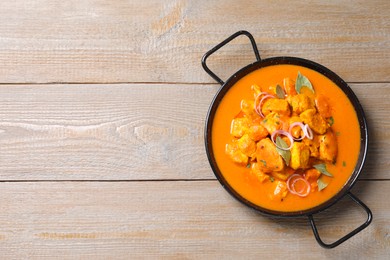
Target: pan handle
{"x": 223, "y": 43}
{"x": 349, "y": 235}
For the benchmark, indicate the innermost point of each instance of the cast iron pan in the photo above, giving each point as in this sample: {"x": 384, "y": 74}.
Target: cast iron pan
{"x": 260, "y": 63}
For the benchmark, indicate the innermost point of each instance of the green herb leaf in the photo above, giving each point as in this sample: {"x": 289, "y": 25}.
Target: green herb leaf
{"x": 264, "y": 162}
{"x": 322, "y": 169}
{"x": 344, "y": 164}
{"x": 280, "y": 92}
{"x": 321, "y": 184}
{"x": 302, "y": 81}
{"x": 248, "y": 165}
{"x": 271, "y": 179}
{"x": 331, "y": 121}
{"x": 286, "y": 154}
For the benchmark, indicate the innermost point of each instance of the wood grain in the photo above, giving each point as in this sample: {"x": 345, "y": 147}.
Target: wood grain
{"x": 118, "y": 169}
{"x": 175, "y": 220}
{"x": 132, "y": 131}
{"x": 163, "y": 41}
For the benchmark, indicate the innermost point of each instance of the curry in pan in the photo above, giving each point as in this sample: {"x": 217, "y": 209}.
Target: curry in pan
{"x": 286, "y": 138}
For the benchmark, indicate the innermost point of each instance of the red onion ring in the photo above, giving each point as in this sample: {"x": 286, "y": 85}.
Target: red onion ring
{"x": 291, "y": 186}
{"x": 284, "y": 83}
{"x": 308, "y": 188}
{"x": 258, "y": 107}
{"x": 302, "y": 126}
{"x": 257, "y": 100}
{"x": 285, "y": 133}
{"x": 308, "y": 132}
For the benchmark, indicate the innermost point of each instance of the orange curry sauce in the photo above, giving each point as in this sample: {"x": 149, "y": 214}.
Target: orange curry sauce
{"x": 345, "y": 126}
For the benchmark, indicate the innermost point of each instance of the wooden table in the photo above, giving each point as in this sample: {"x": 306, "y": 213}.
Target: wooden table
{"x": 102, "y": 110}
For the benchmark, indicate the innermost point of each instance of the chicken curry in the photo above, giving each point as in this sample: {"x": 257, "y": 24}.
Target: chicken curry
{"x": 286, "y": 138}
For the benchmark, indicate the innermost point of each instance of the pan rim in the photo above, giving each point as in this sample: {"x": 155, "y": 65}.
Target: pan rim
{"x": 320, "y": 69}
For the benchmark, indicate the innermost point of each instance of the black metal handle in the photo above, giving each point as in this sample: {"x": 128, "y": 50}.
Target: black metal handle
{"x": 349, "y": 235}
{"x": 217, "y": 47}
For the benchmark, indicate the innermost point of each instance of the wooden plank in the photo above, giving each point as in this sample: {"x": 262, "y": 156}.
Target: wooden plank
{"x": 103, "y": 132}
{"x": 175, "y": 220}
{"x": 163, "y": 41}
{"x": 131, "y": 132}
{"x": 375, "y": 102}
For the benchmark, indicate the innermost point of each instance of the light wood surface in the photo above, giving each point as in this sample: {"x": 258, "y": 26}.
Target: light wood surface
{"x": 102, "y": 110}
{"x": 174, "y": 220}
{"x": 132, "y": 131}
{"x": 163, "y": 41}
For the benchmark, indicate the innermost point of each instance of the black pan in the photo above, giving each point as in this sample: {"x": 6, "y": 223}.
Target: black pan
{"x": 260, "y": 63}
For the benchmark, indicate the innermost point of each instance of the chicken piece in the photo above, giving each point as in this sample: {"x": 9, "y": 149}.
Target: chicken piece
{"x": 260, "y": 175}
{"x": 271, "y": 90}
{"x": 328, "y": 147}
{"x": 294, "y": 119}
{"x": 235, "y": 154}
{"x": 272, "y": 122}
{"x": 256, "y": 89}
{"x": 289, "y": 86}
{"x": 296, "y": 132}
{"x": 257, "y": 132}
{"x": 300, "y": 103}
{"x": 268, "y": 157}
{"x": 312, "y": 176}
{"x": 314, "y": 145}
{"x": 314, "y": 120}
{"x": 300, "y": 155}
{"x": 313, "y": 186}
{"x": 246, "y": 145}
{"x": 323, "y": 107}
{"x": 239, "y": 126}
{"x": 283, "y": 175}
{"x": 280, "y": 191}
{"x": 247, "y": 107}
{"x": 276, "y": 105}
